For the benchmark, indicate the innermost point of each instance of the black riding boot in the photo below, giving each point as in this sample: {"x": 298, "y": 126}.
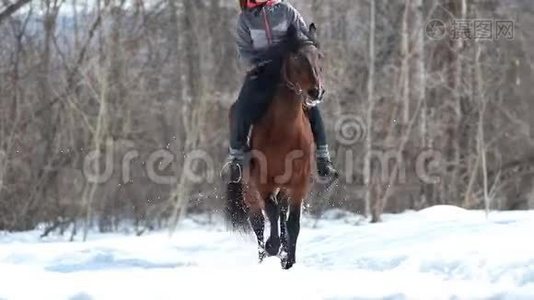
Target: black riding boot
{"x": 239, "y": 128}
{"x": 325, "y": 168}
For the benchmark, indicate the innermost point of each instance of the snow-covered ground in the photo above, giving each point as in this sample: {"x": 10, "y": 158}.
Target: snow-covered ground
{"x": 438, "y": 253}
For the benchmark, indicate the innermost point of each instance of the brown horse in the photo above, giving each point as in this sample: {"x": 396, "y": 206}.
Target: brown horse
{"x": 278, "y": 177}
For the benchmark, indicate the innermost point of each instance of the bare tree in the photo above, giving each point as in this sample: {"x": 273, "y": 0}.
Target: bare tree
{"x": 370, "y": 100}
{"x": 11, "y": 9}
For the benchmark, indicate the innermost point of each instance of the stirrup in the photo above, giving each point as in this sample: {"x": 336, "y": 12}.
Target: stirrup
{"x": 229, "y": 165}
{"x": 233, "y": 177}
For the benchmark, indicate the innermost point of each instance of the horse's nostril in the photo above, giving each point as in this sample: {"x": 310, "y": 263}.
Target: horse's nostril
{"x": 314, "y": 93}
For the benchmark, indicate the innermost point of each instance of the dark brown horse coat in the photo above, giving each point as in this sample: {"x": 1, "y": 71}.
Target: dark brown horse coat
{"x": 282, "y": 144}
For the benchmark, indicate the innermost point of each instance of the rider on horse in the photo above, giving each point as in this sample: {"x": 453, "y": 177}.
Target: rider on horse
{"x": 262, "y": 25}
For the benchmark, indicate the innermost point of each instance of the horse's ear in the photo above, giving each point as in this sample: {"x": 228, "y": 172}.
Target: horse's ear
{"x": 313, "y": 30}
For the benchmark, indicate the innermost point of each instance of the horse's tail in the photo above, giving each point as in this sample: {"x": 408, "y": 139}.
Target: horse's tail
{"x": 235, "y": 212}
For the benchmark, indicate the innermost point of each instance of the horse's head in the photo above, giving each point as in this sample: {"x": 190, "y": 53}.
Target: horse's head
{"x": 302, "y": 70}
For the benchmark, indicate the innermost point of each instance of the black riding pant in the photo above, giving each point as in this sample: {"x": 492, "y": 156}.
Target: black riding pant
{"x": 253, "y": 101}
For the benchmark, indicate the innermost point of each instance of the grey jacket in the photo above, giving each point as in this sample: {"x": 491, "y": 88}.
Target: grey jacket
{"x": 262, "y": 27}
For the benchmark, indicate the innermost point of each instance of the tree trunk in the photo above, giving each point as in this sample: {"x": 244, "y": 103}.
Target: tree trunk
{"x": 368, "y": 172}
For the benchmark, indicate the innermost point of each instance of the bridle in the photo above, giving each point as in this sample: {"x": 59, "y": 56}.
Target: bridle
{"x": 297, "y": 90}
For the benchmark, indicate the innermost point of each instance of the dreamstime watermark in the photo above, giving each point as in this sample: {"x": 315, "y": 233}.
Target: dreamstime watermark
{"x": 156, "y": 163}
{"x": 384, "y": 164}
{"x": 350, "y": 130}
{"x": 470, "y": 29}
{"x": 198, "y": 166}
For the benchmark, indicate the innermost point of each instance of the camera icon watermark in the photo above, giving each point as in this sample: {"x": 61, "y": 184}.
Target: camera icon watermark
{"x": 436, "y": 29}
{"x": 470, "y": 29}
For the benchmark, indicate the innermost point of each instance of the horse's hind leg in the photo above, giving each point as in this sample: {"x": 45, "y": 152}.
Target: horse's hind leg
{"x": 273, "y": 212}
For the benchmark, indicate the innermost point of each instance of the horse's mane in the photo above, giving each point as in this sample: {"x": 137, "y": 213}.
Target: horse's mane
{"x": 299, "y": 37}
{"x": 294, "y": 39}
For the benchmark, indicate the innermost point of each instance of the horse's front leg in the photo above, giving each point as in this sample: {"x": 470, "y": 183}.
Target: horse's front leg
{"x": 284, "y": 250}
{"x": 258, "y": 223}
{"x": 293, "y": 229}
{"x": 255, "y": 216}
{"x": 273, "y": 212}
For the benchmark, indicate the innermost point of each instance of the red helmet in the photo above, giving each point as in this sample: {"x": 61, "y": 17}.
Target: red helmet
{"x": 244, "y": 4}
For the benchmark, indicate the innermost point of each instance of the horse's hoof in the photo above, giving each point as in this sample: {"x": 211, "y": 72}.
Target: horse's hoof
{"x": 261, "y": 256}
{"x": 287, "y": 264}
{"x": 285, "y": 261}
{"x": 273, "y": 246}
